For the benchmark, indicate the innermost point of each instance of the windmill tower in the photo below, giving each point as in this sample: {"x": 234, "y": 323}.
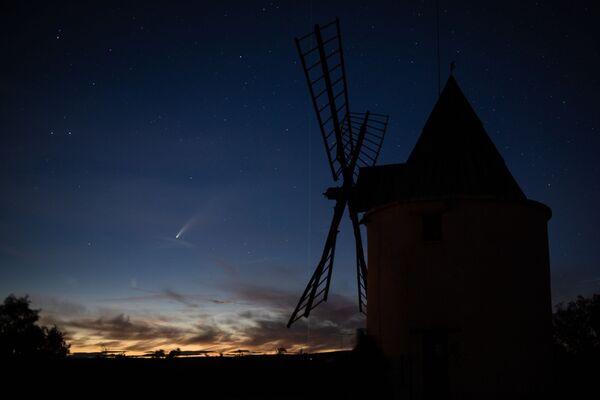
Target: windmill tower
{"x": 459, "y": 277}
{"x": 458, "y": 289}
{"x": 351, "y": 140}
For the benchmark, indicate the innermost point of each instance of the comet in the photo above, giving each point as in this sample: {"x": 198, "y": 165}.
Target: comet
{"x": 190, "y": 222}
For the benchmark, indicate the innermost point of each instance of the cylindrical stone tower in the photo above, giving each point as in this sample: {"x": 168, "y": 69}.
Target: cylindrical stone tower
{"x": 459, "y": 277}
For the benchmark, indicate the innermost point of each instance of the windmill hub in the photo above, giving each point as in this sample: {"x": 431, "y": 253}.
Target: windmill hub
{"x": 336, "y": 193}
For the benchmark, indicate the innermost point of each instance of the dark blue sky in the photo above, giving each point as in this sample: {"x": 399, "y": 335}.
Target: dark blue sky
{"x": 123, "y": 124}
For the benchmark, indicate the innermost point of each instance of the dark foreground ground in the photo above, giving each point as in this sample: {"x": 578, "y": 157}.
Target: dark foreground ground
{"x": 328, "y": 375}
{"x": 340, "y": 375}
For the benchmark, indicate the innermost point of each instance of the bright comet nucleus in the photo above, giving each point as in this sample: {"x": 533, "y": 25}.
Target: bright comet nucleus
{"x": 189, "y": 223}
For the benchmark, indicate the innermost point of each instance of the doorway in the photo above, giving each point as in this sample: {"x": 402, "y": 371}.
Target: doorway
{"x": 435, "y": 364}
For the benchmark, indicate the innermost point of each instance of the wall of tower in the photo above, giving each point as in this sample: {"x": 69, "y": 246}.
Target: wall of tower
{"x": 459, "y": 293}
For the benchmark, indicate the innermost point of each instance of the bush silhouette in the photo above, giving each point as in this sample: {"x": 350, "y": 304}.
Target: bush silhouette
{"x": 21, "y": 337}
{"x": 577, "y": 326}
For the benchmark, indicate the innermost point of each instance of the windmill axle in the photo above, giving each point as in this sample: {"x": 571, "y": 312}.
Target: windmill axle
{"x": 335, "y": 193}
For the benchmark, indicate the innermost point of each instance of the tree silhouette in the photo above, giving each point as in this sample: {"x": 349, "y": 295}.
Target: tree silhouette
{"x": 55, "y": 345}
{"x": 160, "y": 353}
{"x": 174, "y": 353}
{"x": 577, "y": 326}
{"x": 281, "y": 351}
{"x": 21, "y": 337}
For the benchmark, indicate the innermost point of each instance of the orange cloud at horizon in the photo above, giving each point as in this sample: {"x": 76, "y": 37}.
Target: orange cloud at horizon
{"x": 223, "y": 329}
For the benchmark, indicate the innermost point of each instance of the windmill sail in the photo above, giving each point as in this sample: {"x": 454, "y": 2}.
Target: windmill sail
{"x": 361, "y": 265}
{"x": 322, "y": 58}
{"x": 375, "y": 128}
{"x": 351, "y": 140}
{"x": 318, "y": 287}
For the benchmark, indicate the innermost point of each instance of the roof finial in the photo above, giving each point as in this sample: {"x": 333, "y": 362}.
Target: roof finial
{"x": 452, "y": 68}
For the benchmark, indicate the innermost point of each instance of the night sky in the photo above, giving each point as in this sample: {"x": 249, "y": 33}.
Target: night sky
{"x": 124, "y": 126}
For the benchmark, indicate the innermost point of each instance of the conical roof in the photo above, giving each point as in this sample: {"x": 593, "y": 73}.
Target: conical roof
{"x": 453, "y": 157}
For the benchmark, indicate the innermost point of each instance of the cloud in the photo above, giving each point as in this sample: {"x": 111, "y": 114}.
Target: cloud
{"x": 275, "y": 333}
{"x": 189, "y": 300}
{"x": 56, "y": 305}
{"x": 269, "y": 332}
{"x": 109, "y": 344}
{"x": 178, "y": 297}
{"x": 53, "y": 309}
{"x": 338, "y": 308}
{"x": 208, "y": 334}
{"x": 230, "y": 270}
{"x": 255, "y": 319}
{"x": 258, "y": 330}
{"x": 195, "y": 352}
{"x": 121, "y": 327}
{"x": 332, "y": 325}
{"x": 121, "y": 331}
{"x": 264, "y": 295}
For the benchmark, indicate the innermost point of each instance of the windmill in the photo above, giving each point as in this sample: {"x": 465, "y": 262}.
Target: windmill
{"x": 351, "y": 140}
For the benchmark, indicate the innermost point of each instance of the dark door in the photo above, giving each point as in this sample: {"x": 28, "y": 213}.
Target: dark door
{"x": 435, "y": 365}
